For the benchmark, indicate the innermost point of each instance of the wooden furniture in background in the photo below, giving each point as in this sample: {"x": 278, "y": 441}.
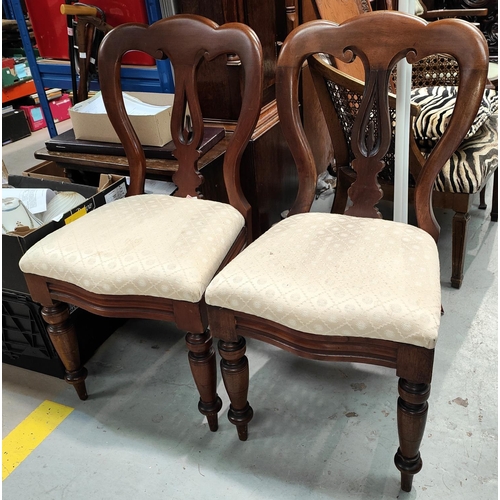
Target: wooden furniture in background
{"x": 273, "y": 187}
{"x": 268, "y": 190}
{"x": 351, "y": 287}
{"x": 151, "y": 256}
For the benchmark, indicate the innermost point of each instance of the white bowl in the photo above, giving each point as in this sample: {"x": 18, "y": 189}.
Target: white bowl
{"x": 62, "y": 202}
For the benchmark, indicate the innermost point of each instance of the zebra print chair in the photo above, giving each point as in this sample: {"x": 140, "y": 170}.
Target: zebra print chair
{"x": 466, "y": 172}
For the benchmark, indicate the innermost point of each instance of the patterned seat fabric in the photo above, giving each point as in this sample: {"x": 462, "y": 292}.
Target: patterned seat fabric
{"x": 187, "y": 239}
{"x": 326, "y": 283}
{"x": 473, "y": 162}
{"x": 436, "y": 107}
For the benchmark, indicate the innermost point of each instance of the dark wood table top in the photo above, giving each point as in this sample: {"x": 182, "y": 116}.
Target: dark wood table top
{"x": 155, "y": 168}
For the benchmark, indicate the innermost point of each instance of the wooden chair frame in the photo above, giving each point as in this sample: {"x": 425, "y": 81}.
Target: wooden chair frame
{"x": 397, "y": 36}
{"x": 185, "y": 40}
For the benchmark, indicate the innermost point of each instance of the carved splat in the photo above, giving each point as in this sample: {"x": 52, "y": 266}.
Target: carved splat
{"x": 174, "y": 38}
{"x": 187, "y": 133}
{"x": 370, "y": 141}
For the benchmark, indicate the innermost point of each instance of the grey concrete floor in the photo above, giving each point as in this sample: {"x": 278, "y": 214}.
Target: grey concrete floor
{"x": 320, "y": 431}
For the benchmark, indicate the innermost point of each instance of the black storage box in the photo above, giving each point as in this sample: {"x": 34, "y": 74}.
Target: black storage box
{"x": 26, "y": 343}
{"x": 14, "y": 126}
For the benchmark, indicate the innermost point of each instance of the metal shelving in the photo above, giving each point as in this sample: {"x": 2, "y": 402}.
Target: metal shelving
{"x": 57, "y": 73}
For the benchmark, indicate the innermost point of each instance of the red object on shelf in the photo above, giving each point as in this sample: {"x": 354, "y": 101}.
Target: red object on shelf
{"x": 35, "y": 117}
{"x": 58, "y": 107}
{"x": 8, "y": 62}
{"x": 50, "y": 29}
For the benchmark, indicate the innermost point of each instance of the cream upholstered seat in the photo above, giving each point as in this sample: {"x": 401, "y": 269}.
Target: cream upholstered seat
{"x": 153, "y": 245}
{"x": 315, "y": 286}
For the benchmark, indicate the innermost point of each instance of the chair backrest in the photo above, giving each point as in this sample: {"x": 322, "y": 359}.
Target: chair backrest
{"x": 397, "y": 35}
{"x": 185, "y": 40}
{"x": 340, "y": 95}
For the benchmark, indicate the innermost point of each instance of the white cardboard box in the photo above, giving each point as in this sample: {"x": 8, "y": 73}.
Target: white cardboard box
{"x": 151, "y": 119}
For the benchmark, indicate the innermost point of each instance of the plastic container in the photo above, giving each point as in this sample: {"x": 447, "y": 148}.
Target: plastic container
{"x": 26, "y": 343}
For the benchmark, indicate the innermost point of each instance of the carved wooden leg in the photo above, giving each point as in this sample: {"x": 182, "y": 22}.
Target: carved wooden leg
{"x": 482, "y": 199}
{"x": 459, "y": 240}
{"x": 494, "y": 200}
{"x": 202, "y": 362}
{"x": 62, "y": 334}
{"x": 234, "y": 366}
{"x": 412, "y": 415}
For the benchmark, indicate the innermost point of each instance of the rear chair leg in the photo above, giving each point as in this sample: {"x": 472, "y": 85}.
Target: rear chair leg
{"x": 482, "y": 199}
{"x": 203, "y": 367}
{"x": 412, "y": 415}
{"x": 494, "y": 200}
{"x": 63, "y": 336}
{"x": 459, "y": 244}
{"x": 234, "y": 367}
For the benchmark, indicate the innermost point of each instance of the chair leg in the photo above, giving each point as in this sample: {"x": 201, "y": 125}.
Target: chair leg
{"x": 203, "y": 367}
{"x": 459, "y": 240}
{"x": 494, "y": 200}
{"x": 482, "y": 199}
{"x": 63, "y": 336}
{"x": 412, "y": 415}
{"x": 234, "y": 367}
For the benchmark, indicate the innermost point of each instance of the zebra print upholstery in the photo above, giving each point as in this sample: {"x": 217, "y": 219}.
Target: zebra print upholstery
{"x": 469, "y": 166}
{"x": 465, "y": 171}
{"x": 436, "y": 107}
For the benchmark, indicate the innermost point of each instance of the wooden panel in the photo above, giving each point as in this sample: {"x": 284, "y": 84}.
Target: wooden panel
{"x": 315, "y": 125}
{"x": 219, "y": 80}
{"x": 270, "y": 178}
{"x": 339, "y": 11}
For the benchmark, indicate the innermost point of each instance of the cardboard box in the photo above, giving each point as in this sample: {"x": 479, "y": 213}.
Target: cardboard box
{"x": 47, "y": 170}
{"x": 14, "y": 246}
{"x": 152, "y": 130}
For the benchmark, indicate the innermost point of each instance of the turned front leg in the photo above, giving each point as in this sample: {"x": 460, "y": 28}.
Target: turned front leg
{"x": 63, "y": 336}
{"x": 234, "y": 367}
{"x": 412, "y": 415}
{"x": 203, "y": 367}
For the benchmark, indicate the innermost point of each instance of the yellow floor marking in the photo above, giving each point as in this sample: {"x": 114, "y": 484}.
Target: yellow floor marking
{"x": 19, "y": 443}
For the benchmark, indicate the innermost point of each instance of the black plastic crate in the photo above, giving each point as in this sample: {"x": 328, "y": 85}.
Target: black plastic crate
{"x": 26, "y": 343}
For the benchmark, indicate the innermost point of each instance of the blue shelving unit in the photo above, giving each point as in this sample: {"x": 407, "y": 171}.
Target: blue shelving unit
{"x": 48, "y": 73}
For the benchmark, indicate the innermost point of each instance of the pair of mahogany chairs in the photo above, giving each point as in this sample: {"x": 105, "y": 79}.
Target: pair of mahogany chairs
{"x": 183, "y": 259}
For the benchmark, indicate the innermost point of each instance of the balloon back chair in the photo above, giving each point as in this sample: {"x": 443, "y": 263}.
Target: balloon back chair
{"x": 351, "y": 287}
{"x": 151, "y": 255}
